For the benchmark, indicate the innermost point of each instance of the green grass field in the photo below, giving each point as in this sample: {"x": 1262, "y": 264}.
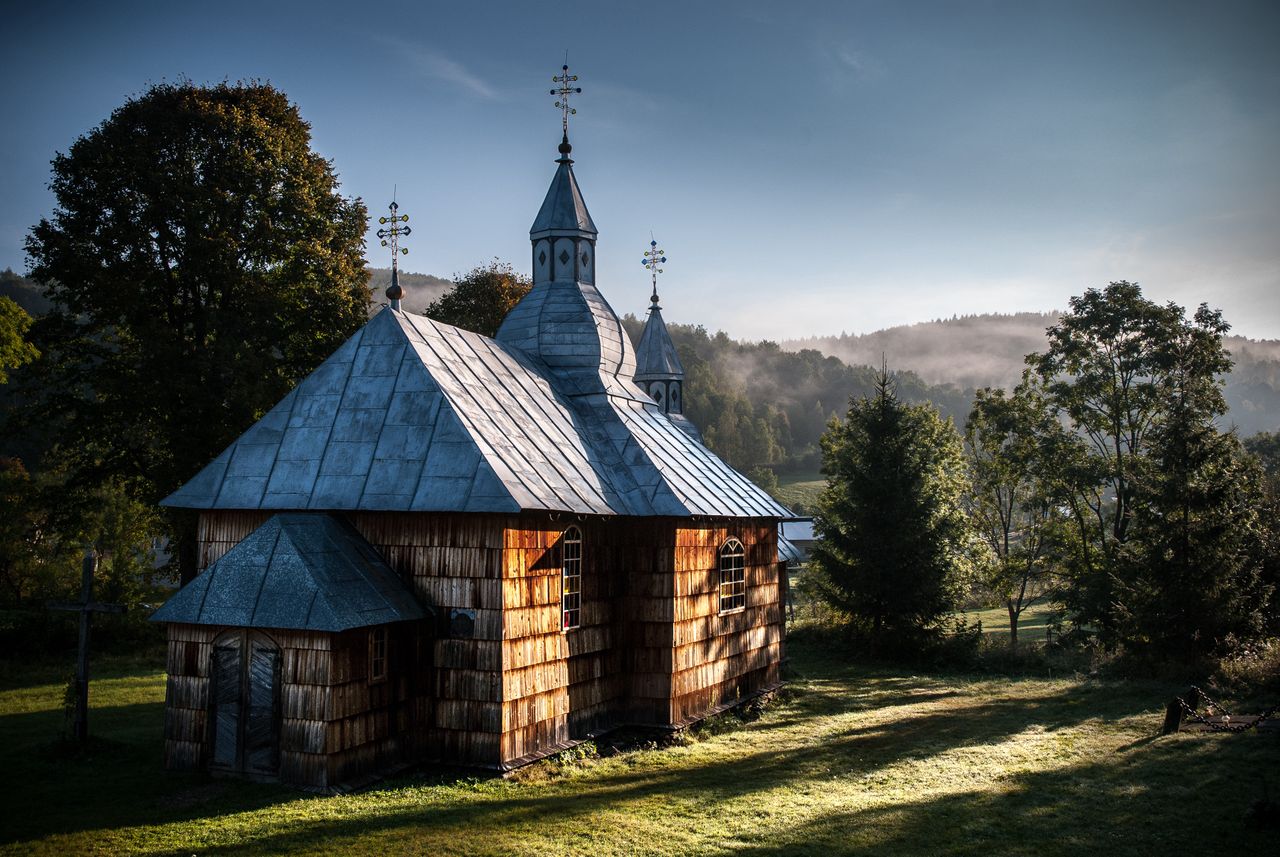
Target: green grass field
{"x": 849, "y": 760}
{"x": 803, "y": 493}
{"x": 1032, "y": 624}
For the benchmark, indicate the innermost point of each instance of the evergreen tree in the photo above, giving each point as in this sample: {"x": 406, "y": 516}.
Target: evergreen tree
{"x": 1191, "y": 575}
{"x": 894, "y": 546}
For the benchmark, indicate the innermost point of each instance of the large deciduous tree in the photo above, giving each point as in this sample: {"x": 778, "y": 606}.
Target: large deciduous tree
{"x": 481, "y": 298}
{"x": 1171, "y": 556}
{"x": 201, "y": 260}
{"x": 1013, "y": 445}
{"x": 894, "y": 545}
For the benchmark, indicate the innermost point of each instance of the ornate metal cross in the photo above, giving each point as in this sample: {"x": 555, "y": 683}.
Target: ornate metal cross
{"x": 390, "y": 235}
{"x": 653, "y": 259}
{"x": 563, "y": 92}
{"x": 86, "y": 607}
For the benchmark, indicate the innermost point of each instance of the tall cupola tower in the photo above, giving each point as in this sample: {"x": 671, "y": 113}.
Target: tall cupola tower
{"x": 564, "y": 320}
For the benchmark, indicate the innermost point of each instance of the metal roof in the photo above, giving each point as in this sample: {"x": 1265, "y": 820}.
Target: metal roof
{"x": 571, "y": 328}
{"x": 788, "y": 552}
{"x": 298, "y": 571}
{"x": 563, "y": 212}
{"x": 656, "y": 356}
{"x": 798, "y": 530}
{"x": 413, "y": 414}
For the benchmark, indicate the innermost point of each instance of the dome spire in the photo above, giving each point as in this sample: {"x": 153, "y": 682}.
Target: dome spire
{"x": 390, "y": 236}
{"x": 653, "y": 258}
{"x": 563, "y": 92}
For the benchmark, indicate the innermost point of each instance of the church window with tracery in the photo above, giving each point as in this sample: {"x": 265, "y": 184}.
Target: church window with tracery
{"x": 733, "y": 577}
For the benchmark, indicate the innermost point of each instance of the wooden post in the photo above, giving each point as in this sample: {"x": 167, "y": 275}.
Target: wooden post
{"x": 85, "y": 607}
{"x": 1172, "y": 717}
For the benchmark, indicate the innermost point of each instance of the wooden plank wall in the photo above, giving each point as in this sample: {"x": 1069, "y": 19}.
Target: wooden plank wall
{"x": 718, "y": 659}
{"x": 652, "y": 648}
{"x": 648, "y": 549}
{"x": 535, "y": 653}
{"x": 371, "y": 727}
{"x": 335, "y": 727}
{"x": 219, "y": 531}
{"x": 186, "y": 697}
{"x": 454, "y": 562}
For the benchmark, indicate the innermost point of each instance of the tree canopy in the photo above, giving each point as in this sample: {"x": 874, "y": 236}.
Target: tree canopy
{"x": 15, "y": 350}
{"x": 200, "y": 260}
{"x": 481, "y": 298}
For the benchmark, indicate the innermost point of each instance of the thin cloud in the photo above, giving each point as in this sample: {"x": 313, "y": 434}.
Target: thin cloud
{"x": 846, "y": 65}
{"x": 433, "y": 65}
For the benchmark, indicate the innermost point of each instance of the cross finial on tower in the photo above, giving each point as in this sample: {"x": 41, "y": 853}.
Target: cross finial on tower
{"x": 390, "y": 236}
{"x": 653, "y": 259}
{"x": 563, "y": 91}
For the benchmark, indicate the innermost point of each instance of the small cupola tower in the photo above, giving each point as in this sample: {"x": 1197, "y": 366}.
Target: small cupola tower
{"x": 658, "y": 369}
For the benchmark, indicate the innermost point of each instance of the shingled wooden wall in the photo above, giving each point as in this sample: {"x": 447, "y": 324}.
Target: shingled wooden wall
{"x": 336, "y": 728}
{"x": 652, "y": 648}
{"x": 719, "y": 659}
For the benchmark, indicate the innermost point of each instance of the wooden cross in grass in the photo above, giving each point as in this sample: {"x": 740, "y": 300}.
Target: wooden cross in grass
{"x": 86, "y": 606}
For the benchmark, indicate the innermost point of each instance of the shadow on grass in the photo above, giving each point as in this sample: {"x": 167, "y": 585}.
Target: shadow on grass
{"x": 1143, "y": 788}
{"x": 849, "y": 753}
{"x": 1176, "y": 794}
{"x": 117, "y": 780}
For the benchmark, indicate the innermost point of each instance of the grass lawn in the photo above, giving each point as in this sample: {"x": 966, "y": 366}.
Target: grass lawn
{"x": 852, "y": 759}
{"x": 800, "y": 489}
{"x": 1032, "y": 624}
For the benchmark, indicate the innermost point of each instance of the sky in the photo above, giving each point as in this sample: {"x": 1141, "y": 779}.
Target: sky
{"x": 810, "y": 168}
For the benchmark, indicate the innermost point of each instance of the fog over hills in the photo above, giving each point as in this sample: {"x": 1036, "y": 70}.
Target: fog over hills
{"x": 988, "y": 350}
{"x": 419, "y": 289}
{"x": 951, "y": 357}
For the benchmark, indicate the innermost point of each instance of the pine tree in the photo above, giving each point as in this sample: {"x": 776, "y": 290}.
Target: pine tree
{"x": 893, "y": 548}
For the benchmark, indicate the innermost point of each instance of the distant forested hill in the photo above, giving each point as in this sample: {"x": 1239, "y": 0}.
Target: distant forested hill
{"x": 24, "y": 292}
{"x": 758, "y": 405}
{"x": 987, "y": 350}
{"x": 419, "y": 289}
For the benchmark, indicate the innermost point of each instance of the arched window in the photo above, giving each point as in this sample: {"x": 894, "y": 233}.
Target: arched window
{"x": 571, "y": 579}
{"x": 733, "y": 578}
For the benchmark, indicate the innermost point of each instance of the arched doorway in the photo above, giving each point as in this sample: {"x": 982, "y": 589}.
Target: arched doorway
{"x": 244, "y": 703}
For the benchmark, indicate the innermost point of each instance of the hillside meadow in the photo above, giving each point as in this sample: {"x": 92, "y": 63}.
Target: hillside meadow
{"x": 849, "y": 759}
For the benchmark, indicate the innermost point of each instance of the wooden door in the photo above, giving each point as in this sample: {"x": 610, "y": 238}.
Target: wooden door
{"x": 244, "y": 703}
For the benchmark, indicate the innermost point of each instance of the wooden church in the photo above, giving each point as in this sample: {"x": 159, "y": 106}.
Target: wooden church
{"x": 442, "y": 547}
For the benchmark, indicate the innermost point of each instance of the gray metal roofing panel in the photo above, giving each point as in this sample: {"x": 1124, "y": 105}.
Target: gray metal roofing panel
{"x": 563, "y": 209}
{"x": 297, "y": 571}
{"x": 526, "y": 429}
{"x": 800, "y": 530}
{"x": 428, "y": 417}
{"x": 656, "y": 355}
{"x": 788, "y": 552}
